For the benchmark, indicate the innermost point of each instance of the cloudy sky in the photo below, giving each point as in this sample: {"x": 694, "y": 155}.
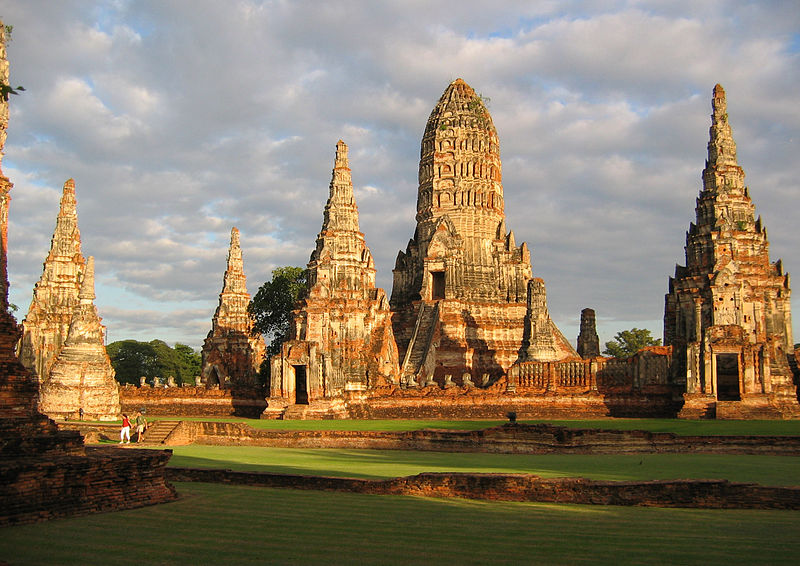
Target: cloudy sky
{"x": 179, "y": 120}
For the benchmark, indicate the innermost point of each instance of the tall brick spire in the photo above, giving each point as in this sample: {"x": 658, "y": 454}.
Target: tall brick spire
{"x": 341, "y": 259}
{"x": 231, "y": 354}
{"x": 341, "y": 212}
{"x": 56, "y": 294}
{"x": 82, "y": 376}
{"x": 728, "y": 312}
{"x": 722, "y": 171}
{"x": 341, "y": 335}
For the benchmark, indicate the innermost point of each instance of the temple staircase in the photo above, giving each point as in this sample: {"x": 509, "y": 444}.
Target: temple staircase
{"x": 158, "y": 432}
{"x": 419, "y": 347}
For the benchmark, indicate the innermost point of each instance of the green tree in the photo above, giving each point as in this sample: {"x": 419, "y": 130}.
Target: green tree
{"x": 189, "y": 362}
{"x": 132, "y": 359}
{"x": 627, "y": 342}
{"x": 167, "y": 360}
{"x": 271, "y": 307}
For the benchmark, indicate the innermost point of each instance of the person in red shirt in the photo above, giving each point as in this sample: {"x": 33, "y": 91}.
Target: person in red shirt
{"x": 125, "y": 432}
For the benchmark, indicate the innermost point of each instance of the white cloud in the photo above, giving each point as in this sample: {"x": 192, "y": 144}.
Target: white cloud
{"x": 180, "y": 120}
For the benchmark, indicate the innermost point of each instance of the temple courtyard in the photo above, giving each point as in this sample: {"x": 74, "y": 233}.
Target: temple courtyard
{"x": 213, "y": 523}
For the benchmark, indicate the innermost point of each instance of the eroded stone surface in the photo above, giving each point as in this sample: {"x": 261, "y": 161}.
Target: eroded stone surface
{"x": 232, "y": 355}
{"x": 82, "y": 377}
{"x": 55, "y": 296}
{"x": 342, "y": 334}
{"x": 728, "y": 312}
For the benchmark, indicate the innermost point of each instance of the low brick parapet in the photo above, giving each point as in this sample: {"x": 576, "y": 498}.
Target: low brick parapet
{"x": 506, "y": 439}
{"x": 706, "y": 494}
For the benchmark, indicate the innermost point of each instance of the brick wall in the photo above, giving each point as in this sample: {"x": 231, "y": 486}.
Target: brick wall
{"x": 192, "y": 401}
{"x": 106, "y": 479}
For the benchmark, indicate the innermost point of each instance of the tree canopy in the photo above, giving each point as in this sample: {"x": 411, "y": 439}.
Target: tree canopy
{"x": 627, "y": 342}
{"x": 132, "y": 360}
{"x": 271, "y": 307}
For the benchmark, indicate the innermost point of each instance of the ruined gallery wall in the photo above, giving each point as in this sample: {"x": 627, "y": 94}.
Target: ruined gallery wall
{"x": 192, "y": 401}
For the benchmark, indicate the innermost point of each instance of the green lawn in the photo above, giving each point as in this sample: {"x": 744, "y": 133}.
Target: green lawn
{"x": 682, "y": 427}
{"x": 766, "y": 470}
{"x": 221, "y": 524}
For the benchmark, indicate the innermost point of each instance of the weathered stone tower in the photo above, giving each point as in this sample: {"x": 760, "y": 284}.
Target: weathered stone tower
{"x": 342, "y": 334}
{"x": 727, "y": 314}
{"x": 55, "y": 296}
{"x": 82, "y": 376}
{"x": 588, "y": 340}
{"x": 542, "y": 341}
{"x": 232, "y": 355}
{"x": 460, "y": 288}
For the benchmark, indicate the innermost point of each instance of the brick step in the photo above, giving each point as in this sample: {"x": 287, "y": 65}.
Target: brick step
{"x": 420, "y": 341}
{"x": 158, "y": 431}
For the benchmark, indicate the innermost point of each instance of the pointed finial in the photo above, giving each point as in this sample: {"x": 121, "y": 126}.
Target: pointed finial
{"x": 87, "y": 284}
{"x": 69, "y": 185}
{"x": 341, "y": 154}
{"x": 234, "y": 236}
{"x": 719, "y": 103}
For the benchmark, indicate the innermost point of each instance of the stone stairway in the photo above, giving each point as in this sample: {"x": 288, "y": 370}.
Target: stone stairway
{"x": 420, "y": 342}
{"x": 158, "y": 432}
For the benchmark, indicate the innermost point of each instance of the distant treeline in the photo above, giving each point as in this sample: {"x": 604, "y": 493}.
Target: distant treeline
{"x": 132, "y": 359}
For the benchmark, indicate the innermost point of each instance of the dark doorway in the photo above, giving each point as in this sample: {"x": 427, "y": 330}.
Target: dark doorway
{"x": 300, "y": 385}
{"x": 438, "y": 285}
{"x": 728, "y": 377}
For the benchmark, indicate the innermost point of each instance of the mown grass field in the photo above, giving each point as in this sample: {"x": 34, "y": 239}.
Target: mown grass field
{"x": 221, "y": 525}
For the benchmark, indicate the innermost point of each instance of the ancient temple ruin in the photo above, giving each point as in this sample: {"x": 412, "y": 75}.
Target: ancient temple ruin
{"x": 341, "y": 332}
{"x": 81, "y": 382}
{"x": 727, "y": 313}
{"x": 55, "y": 296}
{"x": 232, "y": 354}
{"x": 460, "y": 293}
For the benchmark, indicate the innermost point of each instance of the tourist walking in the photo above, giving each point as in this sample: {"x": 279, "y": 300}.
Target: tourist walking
{"x": 125, "y": 431}
{"x": 141, "y": 426}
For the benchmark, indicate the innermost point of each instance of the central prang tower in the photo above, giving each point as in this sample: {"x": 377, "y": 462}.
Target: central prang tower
{"x": 460, "y": 289}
